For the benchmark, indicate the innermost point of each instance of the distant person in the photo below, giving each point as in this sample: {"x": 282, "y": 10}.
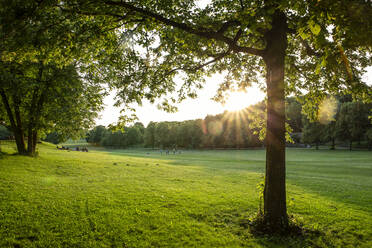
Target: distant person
{"x": 77, "y": 148}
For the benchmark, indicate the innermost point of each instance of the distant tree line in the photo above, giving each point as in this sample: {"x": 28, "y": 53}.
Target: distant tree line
{"x": 226, "y": 130}
{"x": 348, "y": 123}
{"x": 345, "y": 123}
{"x": 130, "y": 136}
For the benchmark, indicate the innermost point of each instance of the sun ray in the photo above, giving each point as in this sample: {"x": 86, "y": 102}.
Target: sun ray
{"x": 238, "y": 100}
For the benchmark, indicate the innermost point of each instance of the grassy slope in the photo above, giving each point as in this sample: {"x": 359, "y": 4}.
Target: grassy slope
{"x": 128, "y": 198}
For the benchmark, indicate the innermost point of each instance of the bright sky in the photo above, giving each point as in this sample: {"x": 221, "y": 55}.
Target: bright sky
{"x": 188, "y": 109}
{"x": 193, "y": 108}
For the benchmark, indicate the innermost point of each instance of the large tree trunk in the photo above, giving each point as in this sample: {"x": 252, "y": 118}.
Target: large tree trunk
{"x": 275, "y": 208}
{"x": 14, "y": 124}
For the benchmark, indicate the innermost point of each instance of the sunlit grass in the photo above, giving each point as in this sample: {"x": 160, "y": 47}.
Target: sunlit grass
{"x": 139, "y": 198}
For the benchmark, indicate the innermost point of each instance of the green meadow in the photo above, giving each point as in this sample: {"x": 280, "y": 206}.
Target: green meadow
{"x": 140, "y": 198}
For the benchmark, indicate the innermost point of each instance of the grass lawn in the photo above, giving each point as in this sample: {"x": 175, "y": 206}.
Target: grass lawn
{"x": 138, "y": 198}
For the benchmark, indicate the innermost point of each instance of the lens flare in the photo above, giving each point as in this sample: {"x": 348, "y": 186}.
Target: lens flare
{"x": 215, "y": 128}
{"x": 239, "y": 100}
{"x": 327, "y": 110}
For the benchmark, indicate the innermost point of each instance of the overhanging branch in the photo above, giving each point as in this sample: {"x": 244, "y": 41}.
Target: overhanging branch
{"x": 309, "y": 50}
{"x": 199, "y": 31}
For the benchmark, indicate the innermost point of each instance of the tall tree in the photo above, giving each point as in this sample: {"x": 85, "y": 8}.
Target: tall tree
{"x": 294, "y": 114}
{"x": 96, "y": 135}
{"x": 320, "y": 46}
{"x": 312, "y": 132}
{"x": 149, "y": 136}
{"x": 368, "y": 136}
{"x": 47, "y": 65}
{"x": 353, "y": 122}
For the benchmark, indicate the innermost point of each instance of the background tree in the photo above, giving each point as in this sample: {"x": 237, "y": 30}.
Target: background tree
{"x": 330, "y": 134}
{"x": 369, "y": 138}
{"x": 312, "y": 132}
{"x": 64, "y": 103}
{"x": 54, "y": 138}
{"x": 294, "y": 114}
{"x": 353, "y": 122}
{"x": 46, "y": 62}
{"x": 149, "y": 135}
{"x": 162, "y": 138}
{"x": 134, "y": 135}
{"x": 4, "y": 133}
{"x": 96, "y": 135}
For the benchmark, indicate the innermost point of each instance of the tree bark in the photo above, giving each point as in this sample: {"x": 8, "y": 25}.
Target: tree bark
{"x": 19, "y": 127}
{"x": 31, "y": 140}
{"x": 34, "y": 141}
{"x": 333, "y": 145}
{"x": 35, "y": 111}
{"x": 31, "y": 123}
{"x": 18, "y": 133}
{"x": 275, "y": 208}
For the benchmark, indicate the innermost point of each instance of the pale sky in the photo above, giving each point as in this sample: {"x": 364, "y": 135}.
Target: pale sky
{"x": 188, "y": 109}
{"x": 192, "y": 108}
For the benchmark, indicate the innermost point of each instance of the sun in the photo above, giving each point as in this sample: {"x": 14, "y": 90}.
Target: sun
{"x": 238, "y": 100}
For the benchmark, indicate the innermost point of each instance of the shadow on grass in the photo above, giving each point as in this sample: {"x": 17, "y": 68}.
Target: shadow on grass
{"x": 295, "y": 234}
{"x": 253, "y": 229}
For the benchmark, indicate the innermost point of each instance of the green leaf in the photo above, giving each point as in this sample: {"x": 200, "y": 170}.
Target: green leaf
{"x": 314, "y": 27}
{"x": 317, "y": 69}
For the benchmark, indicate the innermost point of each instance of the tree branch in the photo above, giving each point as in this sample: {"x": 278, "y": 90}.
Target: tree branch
{"x": 8, "y": 109}
{"x": 309, "y": 50}
{"x": 226, "y": 25}
{"x": 200, "y": 31}
{"x": 217, "y": 57}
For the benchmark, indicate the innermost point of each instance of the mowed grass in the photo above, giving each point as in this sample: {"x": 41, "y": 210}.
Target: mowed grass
{"x": 139, "y": 198}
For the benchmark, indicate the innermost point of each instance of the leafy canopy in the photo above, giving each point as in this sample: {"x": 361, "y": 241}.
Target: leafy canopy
{"x": 329, "y": 46}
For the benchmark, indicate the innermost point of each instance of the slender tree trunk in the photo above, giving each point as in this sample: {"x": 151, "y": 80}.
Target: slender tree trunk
{"x": 31, "y": 122}
{"x": 34, "y": 141}
{"x": 18, "y": 133}
{"x": 317, "y": 145}
{"x": 351, "y": 145}
{"x": 34, "y": 112}
{"x": 333, "y": 145}
{"x": 275, "y": 208}
{"x": 19, "y": 130}
{"x": 29, "y": 139}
